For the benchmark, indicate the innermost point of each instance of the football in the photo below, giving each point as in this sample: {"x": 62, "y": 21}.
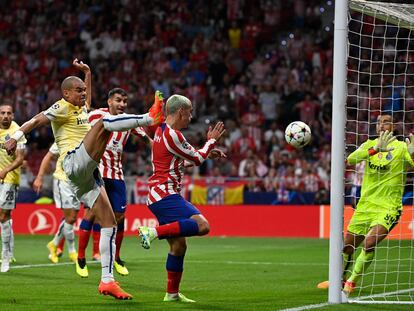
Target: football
{"x": 298, "y": 134}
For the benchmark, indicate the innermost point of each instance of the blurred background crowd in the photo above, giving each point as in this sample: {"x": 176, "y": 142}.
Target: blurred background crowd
{"x": 256, "y": 65}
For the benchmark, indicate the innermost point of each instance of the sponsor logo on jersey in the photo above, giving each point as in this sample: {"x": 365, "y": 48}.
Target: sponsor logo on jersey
{"x": 81, "y": 121}
{"x": 55, "y": 106}
{"x": 42, "y": 221}
{"x": 186, "y": 145}
{"x": 389, "y": 156}
{"x": 376, "y": 167}
{"x": 7, "y": 137}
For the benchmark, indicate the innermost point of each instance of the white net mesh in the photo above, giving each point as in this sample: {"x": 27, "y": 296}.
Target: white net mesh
{"x": 381, "y": 80}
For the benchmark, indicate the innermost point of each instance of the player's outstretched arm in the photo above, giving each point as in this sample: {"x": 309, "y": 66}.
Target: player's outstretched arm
{"x": 366, "y": 150}
{"x": 35, "y": 122}
{"x": 180, "y": 147}
{"x": 38, "y": 182}
{"x": 88, "y": 80}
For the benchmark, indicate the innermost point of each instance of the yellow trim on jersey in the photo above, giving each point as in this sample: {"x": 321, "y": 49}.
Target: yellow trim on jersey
{"x": 69, "y": 125}
{"x": 12, "y": 177}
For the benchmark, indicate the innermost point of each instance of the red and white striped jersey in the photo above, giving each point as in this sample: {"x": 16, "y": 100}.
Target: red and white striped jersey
{"x": 169, "y": 151}
{"x": 111, "y": 162}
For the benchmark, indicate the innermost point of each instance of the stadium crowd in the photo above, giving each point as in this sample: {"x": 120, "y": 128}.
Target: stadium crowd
{"x": 255, "y": 65}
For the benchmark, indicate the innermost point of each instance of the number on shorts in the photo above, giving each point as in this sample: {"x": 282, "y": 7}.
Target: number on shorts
{"x": 10, "y": 195}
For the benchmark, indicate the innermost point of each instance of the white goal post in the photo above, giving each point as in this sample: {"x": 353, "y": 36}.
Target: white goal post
{"x": 373, "y": 72}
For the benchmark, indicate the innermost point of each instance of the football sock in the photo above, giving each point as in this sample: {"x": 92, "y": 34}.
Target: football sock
{"x": 59, "y": 234}
{"x": 61, "y": 244}
{"x": 84, "y": 233}
{"x": 96, "y": 234}
{"x": 119, "y": 238}
{"x": 347, "y": 264}
{"x": 107, "y": 251}
{"x": 6, "y": 236}
{"x": 123, "y": 122}
{"x": 184, "y": 228}
{"x": 174, "y": 267}
{"x": 69, "y": 236}
{"x": 11, "y": 242}
{"x": 361, "y": 265}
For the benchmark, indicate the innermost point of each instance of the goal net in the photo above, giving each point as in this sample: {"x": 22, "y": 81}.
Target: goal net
{"x": 380, "y": 79}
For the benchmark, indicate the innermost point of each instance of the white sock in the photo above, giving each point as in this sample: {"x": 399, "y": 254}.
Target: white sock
{"x": 107, "y": 250}
{"x": 123, "y": 122}
{"x": 11, "y": 239}
{"x": 59, "y": 234}
{"x": 69, "y": 236}
{"x": 5, "y": 238}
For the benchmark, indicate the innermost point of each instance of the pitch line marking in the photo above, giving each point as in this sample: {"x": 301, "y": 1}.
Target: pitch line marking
{"x": 40, "y": 265}
{"x": 308, "y": 307}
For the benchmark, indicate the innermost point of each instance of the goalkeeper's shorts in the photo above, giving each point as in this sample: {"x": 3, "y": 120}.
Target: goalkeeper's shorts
{"x": 362, "y": 220}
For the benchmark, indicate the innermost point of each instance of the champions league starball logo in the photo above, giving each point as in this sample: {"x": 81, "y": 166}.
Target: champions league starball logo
{"x": 42, "y": 221}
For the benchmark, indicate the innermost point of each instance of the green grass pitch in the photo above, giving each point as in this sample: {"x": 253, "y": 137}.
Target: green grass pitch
{"x": 219, "y": 273}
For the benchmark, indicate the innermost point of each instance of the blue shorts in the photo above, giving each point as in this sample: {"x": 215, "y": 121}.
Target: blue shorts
{"x": 116, "y": 191}
{"x": 173, "y": 208}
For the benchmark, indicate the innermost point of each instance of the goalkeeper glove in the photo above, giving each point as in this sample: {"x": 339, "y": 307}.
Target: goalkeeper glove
{"x": 384, "y": 140}
{"x": 410, "y": 144}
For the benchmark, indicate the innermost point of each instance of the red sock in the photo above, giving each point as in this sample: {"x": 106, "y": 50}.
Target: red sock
{"x": 118, "y": 242}
{"x": 83, "y": 242}
{"x": 173, "y": 284}
{"x": 96, "y": 235}
{"x": 61, "y": 244}
{"x": 168, "y": 230}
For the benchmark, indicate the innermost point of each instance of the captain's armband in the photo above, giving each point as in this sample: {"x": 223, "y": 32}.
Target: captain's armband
{"x": 372, "y": 151}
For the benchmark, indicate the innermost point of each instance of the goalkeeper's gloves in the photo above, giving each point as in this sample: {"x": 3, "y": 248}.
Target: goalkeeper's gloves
{"x": 410, "y": 144}
{"x": 384, "y": 139}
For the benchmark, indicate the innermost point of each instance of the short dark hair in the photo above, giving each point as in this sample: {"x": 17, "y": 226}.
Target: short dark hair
{"x": 387, "y": 113}
{"x": 117, "y": 90}
{"x": 7, "y": 103}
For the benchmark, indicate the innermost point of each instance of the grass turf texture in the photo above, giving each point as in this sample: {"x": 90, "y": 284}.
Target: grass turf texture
{"x": 219, "y": 273}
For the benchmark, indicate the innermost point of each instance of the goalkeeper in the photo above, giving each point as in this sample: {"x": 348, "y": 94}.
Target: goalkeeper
{"x": 380, "y": 206}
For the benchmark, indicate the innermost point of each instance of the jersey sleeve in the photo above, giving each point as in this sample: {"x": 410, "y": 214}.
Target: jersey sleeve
{"x": 54, "y": 149}
{"x": 360, "y": 154}
{"x": 95, "y": 115}
{"x": 178, "y": 145}
{"x": 138, "y": 131}
{"x": 57, "y": 112}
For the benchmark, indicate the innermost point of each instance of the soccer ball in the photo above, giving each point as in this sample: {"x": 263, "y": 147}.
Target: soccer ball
{"x": 298, "y": 134}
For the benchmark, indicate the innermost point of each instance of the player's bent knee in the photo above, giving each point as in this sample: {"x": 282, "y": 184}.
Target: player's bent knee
{"x": 3, "y": 218}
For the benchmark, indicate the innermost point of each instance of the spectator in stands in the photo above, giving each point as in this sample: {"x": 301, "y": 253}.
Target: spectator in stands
{"x": 170, "y": 47}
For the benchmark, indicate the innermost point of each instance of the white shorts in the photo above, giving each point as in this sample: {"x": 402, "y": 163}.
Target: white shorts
{"x": 64, "y": 195}
{"x": 8, "y": 193}
{"x": 83, "y": 174}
